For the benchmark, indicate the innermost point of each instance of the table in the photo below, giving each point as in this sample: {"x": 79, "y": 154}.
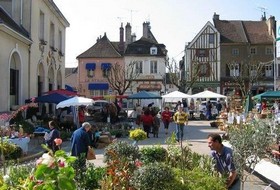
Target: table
{"x": 21, "y": 142}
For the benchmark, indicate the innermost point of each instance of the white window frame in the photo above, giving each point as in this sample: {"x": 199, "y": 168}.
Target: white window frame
{"x": 153, "y": 67}
{"x": 52, "y": 34}
{"x": 253, "y": 50}
{"x": 268, "y": 51}
{"x": 42, "y": 26}
{"x": 153, "y": 50}
{"x": 268, "y": 71}
{"x": 253, "y": 70}
{"x": 234, "y": 70}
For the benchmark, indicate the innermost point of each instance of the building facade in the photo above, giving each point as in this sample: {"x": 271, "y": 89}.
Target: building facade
{"x": 32, "y": 38}
{"x": 202, "y": 58}
{"x": 247, "y": 50}
{"x": 147, "y": 56}
{"x": 228, "y": 51}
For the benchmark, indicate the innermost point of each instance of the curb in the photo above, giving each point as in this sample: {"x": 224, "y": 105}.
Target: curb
{"x": 30, "y": 157}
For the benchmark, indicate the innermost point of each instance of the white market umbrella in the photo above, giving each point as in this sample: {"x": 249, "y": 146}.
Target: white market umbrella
{"x": 75, "y": 101}
{"x": 175, "y": 96}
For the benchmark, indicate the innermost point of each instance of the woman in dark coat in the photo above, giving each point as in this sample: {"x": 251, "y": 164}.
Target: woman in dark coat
{"x": 54, "y": 133}
{"x": 80, "y": 140}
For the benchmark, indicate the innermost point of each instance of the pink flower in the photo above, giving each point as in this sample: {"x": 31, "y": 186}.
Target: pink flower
{"x": 58, "y": 141}
{"x": 138, "y": 163}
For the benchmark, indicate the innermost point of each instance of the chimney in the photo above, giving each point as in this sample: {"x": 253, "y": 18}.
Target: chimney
{"x": 271, "y": 24}
{"x": 133, "y": 37}
{"x": 216, "y": 16}
{"x": 127, "y": 34}
{"x": 121, "y": 44}
{"x": 146, "y": 28}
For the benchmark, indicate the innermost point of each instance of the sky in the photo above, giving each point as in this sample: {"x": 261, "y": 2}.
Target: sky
{"x": 174, "y": 23}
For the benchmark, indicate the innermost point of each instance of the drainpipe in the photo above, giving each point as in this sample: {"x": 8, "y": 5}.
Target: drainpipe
{"x": 21, "y": 12}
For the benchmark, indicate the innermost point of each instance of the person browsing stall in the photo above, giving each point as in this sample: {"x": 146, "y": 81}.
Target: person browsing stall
{"x": 223, "y": 157}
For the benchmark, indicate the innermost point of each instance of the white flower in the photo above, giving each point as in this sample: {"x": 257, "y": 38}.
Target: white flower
{"x": 6, "y": 178}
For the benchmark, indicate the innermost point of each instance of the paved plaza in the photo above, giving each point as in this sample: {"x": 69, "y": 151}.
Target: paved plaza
{"x": 196, "y": 136}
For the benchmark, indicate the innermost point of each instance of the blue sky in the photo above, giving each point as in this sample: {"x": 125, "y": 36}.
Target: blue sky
{"x": 173, "y": 22}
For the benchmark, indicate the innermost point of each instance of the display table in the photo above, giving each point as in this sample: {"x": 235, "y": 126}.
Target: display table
{"x": 21, "y": 142}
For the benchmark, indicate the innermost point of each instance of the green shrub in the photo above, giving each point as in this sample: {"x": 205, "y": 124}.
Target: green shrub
{"x": 123, "y": 150}
{"x": 197, "y": 179}
{"x": 10, "y": 150}
{"x": 27, "y": 127}
{"x": 153, "y": 154}
{"x": 17, "y": 174}
{"x": 154, "y": 176}
{"x": 92, "y": 177}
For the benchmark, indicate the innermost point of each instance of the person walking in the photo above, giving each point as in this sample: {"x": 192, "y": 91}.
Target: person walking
{"x": 219, "y": 107}
{"x": 147, "y": 120}
{"x": 81, "y": 115}
{"x": 209, "y": 110}
{"x": 166, "y": 117}
{"x": 223, "y": 157}
{"x": 181, "y": 120}
{"x": 50, "y": 138}
{"x": 80, "y": 141}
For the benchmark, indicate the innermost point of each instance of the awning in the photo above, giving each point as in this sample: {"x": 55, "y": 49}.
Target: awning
{"x": 105, "y": 66}
{"x": 98, "y": 86}
{"x": 90, "y": 66}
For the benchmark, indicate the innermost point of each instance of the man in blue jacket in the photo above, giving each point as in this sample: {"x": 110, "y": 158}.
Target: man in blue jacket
{"x": 80, "y": 141}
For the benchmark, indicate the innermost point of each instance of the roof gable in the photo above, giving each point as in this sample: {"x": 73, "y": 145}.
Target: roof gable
{"x": 207, "y": 25}
{"x": 142, "y": 47}
{"x": 103, "y": 48}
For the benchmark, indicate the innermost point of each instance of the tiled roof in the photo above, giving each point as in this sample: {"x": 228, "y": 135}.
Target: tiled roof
{"x": 103, "y": 48}
{"x": 69, "y": 71}
{"x": 257, "y": 32}
{"x": 236, "y": 31}
{"x": 142, "y": 47}
{"x": 8, "y": 21}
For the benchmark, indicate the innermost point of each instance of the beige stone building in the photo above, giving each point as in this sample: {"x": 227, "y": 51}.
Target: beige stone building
{"x": 32, "y": 56}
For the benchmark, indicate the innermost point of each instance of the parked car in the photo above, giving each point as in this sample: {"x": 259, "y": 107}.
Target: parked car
{"x": 202, "y": 106}
{"x": 97, "y": 106}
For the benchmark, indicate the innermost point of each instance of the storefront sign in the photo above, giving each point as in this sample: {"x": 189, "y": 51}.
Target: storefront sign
{"x": 150, "y": 86}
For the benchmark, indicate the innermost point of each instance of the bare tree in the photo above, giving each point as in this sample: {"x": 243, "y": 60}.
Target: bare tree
{"x": 246, "y": 74}
{"x": 178, "y": 76}
{"x": 120, "y": 77}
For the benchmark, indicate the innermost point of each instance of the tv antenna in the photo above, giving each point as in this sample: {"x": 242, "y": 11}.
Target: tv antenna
{"x": 131, "y": 14}
{"x": 263, "y": 10}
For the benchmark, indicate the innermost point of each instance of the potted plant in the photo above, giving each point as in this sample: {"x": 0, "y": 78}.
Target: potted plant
{"x": 137, "y": 135}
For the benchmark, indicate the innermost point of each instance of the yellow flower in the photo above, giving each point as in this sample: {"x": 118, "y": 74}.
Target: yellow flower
{"x": 137, "y": 134}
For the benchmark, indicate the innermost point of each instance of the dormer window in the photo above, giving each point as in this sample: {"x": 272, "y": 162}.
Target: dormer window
{"x": 153, "y": 50}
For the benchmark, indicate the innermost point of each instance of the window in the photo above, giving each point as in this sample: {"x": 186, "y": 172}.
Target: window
{"x": 204, "y": 69}
{"x": 52, "y": 35}
{"x": 153, "y": 67}
{"x": 105, "y": 72}
{"x": 234, "y": 70}
{"x": 268, "y": 71}
{"x": 211, "y": 38}
{"x": 253, "y": 51}
{"x": 153, "y": 51}
{"x": 139, "y": 67}
{"x": 268, "y": 51}
{"x": 41, "y": 25}
{"x": 235, "y": 51}
{"x": 201, "y": 53}
{"x": 253, "y": 70}
{"x": 90, "y": 73}
{"x": 98, "y": 92}
{"x": 60, "y": 40}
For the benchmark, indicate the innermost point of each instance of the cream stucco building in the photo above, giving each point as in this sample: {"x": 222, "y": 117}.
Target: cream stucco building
{"x": 32, "y": 56}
